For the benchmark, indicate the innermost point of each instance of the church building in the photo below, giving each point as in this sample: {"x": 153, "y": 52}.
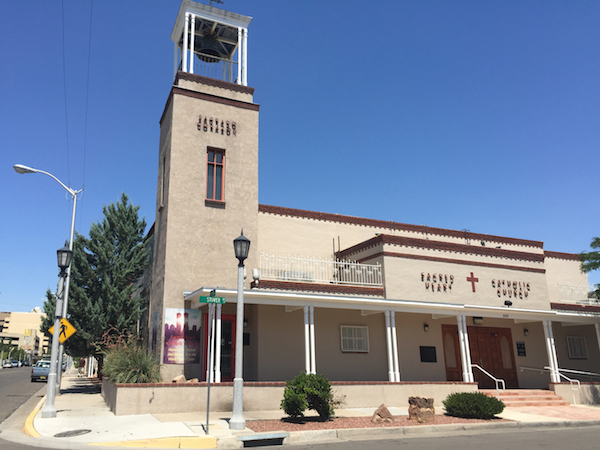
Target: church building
{"x": 368, "y": 300}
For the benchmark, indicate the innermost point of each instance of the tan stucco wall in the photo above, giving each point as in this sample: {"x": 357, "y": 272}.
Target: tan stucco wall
{"x": 591, "y": 363}
{"x": 403, "y": 281}
{"x": 194, "y": 240}
{"x": 316, "y": 237}
{"x": 560, "y": 271}
{"x": 176, "y": 399}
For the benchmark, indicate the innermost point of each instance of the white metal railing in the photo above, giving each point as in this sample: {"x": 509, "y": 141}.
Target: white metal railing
{"x": 498, "y": 381}
{"x": 318, "y": 270}
{"x": 581, "y": 372}
{"x": 576, "y": 293}
{"x": 222, "y": 69}
{"x": 570, "y": 380}
{"x": 573, "y": 382}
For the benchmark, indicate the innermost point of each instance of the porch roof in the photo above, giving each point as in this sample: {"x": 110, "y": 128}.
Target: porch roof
{"x": 373, "y": 305}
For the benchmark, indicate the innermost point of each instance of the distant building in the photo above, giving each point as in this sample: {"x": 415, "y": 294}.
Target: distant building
{"x": 368, "y": 300}
{"x": 22, "y": 329}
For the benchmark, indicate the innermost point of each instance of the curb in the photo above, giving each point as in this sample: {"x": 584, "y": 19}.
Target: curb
{"x": 28, "y": 427}
{"x": 172, "y": 442}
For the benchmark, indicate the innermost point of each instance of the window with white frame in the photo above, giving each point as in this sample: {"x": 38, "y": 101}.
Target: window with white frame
{"x": 577, "y": 347}
{"x": 354, "y": 338}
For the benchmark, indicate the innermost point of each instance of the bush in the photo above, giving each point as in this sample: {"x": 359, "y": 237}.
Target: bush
{"x": 310, "y": 391}
{"x": 126, "y": 360}
{"x": 472, "y": 405}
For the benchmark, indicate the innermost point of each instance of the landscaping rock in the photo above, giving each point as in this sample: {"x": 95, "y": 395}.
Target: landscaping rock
{"x": 382, "y": 415}
{"x": 421, "y": 409}
{"x": 179, "y": 379}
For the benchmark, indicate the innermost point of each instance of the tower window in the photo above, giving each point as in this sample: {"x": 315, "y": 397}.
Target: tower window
{"x": 215, "y": 174}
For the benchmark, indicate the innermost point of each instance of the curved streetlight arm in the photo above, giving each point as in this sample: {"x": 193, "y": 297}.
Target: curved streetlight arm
{"x": 21, "y": 169}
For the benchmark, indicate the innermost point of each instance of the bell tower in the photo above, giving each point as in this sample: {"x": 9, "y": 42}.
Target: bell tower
{"x": 207, "y": 187}
{"x": 212, "y": 42}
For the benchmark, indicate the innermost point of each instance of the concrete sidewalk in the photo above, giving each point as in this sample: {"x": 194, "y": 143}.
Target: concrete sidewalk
{"x": 84, "y": 418}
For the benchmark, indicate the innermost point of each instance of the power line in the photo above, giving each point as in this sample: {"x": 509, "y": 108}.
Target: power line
{"x": 65, "y": 93}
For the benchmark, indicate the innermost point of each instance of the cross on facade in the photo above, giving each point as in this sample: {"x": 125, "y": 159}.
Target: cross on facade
{"x": 473, "y": 280}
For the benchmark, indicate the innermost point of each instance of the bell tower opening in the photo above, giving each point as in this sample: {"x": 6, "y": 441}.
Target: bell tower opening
{"x": 211, "y": 42}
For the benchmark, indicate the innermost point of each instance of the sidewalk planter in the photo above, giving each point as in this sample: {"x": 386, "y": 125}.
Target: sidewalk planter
{"x": 156, "y": 398}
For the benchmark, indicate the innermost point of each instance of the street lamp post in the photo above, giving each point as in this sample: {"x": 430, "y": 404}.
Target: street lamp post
{"x": 241, "y": 245}
{"x": 21, "y": 169}
{"x": 64, "y": 262}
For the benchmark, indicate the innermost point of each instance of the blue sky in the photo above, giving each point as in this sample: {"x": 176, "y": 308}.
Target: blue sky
{"x": 456, "y": 114}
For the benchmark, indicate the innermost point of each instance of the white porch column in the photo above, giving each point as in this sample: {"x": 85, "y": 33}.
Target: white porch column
{"x": 184, "y": 48}
{"x": 395, "y": 347}
{"x": 551, "y": 350}
{"x": 245, "y": 57}
{"x": 218, "y": 346}
{"x": 306, "y": 341}
{"x": 388, "y": 337}
{"x": 239, "y": 55}
{"x": 465, "y": 352}
{"x": 313, "y": 359}
{"x": 192, "y": 45}
{"x": 211, "y": 345}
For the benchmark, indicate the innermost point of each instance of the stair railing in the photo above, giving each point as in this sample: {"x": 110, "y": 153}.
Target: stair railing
{"x": 570, "y": 380}
{"x": 498, "y": 381}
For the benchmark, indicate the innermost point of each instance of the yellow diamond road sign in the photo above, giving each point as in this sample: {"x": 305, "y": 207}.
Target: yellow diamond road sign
{"x": 66, "y": 330}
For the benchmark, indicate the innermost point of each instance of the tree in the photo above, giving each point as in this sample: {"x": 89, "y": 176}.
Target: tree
{"x": 104, "y": 269}
{"x": 591, "y": 261}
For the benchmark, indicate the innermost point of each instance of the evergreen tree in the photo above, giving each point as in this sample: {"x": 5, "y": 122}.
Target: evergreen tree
{"x": 104, "y": 269}
{"x": 591, "y": 261}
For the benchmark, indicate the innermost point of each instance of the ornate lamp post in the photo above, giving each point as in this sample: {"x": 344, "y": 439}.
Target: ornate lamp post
{"x": 64, "y": 262}
{"x": 21, "y": 169}
{"x": 241, "y": 245}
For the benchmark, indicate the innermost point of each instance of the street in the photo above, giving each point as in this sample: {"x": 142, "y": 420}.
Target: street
{"x": 585, "y": 438}
{"x": 16, "y": 388}
{"x": 19, "y": 398}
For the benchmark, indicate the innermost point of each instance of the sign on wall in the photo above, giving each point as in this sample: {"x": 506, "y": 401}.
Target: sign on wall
{"x": 182, "y": 336}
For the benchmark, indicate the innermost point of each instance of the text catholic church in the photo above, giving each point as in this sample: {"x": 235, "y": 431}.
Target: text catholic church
{"x": 371, "y": 300}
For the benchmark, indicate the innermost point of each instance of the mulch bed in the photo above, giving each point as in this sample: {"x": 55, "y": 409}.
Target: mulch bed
{"x": 336, "y": 423}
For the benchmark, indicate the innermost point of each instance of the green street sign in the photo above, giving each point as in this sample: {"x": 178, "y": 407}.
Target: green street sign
{"x": 220, "y": 300}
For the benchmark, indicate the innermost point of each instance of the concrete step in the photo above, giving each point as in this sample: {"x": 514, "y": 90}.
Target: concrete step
{"x": 516, "y": 398}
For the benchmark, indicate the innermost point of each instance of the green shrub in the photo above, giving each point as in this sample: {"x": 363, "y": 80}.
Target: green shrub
{"x": 472, "y": 405}
{"x": 308, "y": 391}
{"x": 126, "y": 360}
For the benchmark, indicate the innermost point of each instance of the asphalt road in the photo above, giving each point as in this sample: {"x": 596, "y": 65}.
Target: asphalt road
{"x": 547, "y": 438}
{"x": 16, "y": 388}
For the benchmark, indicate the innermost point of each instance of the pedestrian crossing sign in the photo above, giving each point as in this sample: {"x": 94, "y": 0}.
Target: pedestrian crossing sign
{"x": 66, "y": 330}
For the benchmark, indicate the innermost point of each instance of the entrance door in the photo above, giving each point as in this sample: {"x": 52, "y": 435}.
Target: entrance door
{"x": 491, "y": 348}
{"x": 452, "y": 353}
{"x": 227, "y": 345}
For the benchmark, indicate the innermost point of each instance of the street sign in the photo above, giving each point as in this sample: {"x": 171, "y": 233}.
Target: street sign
{"x": 66, "y": 330}
{"x": 220, "y": 300}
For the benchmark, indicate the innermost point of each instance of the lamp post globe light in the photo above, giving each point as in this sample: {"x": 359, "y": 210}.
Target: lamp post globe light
{"x": 64, "y": 256}
{"x": 241, "y": 245}
{"x": 22, "y": 169}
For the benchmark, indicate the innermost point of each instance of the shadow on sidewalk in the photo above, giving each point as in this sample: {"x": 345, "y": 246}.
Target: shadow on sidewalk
{"x": 82, "y": 386}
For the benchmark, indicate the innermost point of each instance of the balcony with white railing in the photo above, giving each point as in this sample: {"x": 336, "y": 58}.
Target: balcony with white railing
{"x": 577, "y": 294}
{"x": 302, "y": 269}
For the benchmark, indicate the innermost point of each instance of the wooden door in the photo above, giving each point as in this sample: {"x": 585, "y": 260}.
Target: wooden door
{"x": 451, "y": 353}
{"x": 491, "y": 348}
